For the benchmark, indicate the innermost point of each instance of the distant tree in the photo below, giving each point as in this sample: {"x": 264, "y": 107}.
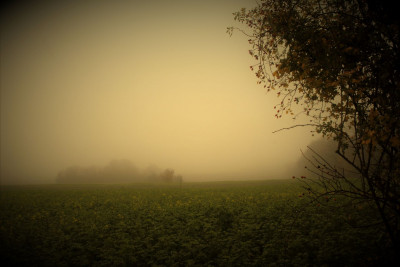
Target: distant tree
{"x": 151, "y": 173}
{"x": 339, "y": 60}
{"x": 117, "y": 171}
{"x": 61, "y": 177}
{"x": 167, "y": 175}
{"x": 71, "y": 175}
{"x": 121, "y": 171}
{"x": 323, "y": 147}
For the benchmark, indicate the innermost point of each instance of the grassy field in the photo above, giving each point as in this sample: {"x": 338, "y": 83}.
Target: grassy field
{"x": 260, "y": 223}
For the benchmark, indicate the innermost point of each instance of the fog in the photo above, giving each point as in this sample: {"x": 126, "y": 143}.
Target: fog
{"x": 153, "y": 82}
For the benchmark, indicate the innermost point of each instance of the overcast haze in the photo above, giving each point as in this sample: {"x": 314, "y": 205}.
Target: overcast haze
{"x": 155, "y": 82}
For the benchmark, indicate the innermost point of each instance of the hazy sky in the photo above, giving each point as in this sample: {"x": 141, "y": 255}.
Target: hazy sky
{"x": 85, "y": 82}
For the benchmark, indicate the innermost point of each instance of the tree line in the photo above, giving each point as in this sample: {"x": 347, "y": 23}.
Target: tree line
{"x": 116, "y": 171}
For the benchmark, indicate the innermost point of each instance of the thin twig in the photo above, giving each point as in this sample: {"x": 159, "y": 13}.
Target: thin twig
{"x": 294, "y": 126}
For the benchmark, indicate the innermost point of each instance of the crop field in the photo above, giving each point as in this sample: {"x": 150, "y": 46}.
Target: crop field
{"x": 263, "y": 223}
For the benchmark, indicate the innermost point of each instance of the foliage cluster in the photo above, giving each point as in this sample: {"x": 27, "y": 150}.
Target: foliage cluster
{"x": 229, "y": 224}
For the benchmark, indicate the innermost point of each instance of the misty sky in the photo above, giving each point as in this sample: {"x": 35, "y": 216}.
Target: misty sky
{"x": 156, "y": 82}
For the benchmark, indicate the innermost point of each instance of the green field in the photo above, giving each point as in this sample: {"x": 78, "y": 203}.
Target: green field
{"x": 262, "y": 223}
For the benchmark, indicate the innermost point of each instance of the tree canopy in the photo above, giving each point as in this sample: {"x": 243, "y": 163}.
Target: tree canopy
{"x": 339, "y": 61}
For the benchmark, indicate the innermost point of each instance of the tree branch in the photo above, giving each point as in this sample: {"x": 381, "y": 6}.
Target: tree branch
{"x": 294, "y": 126}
